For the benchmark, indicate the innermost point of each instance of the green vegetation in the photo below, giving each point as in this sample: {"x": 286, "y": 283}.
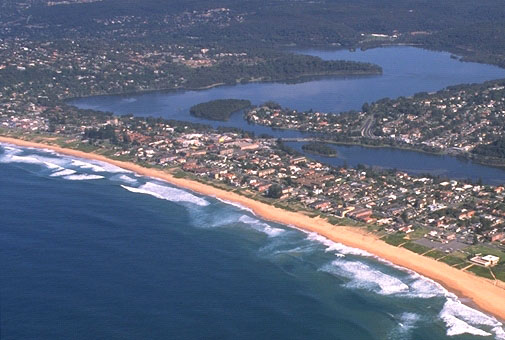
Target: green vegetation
{"x": 494, "y": 149}
{"x": 220, "y": 109}
{"x": 416, "y": 248}
{"x": 478, "y": 32}
{"x": 485, "y": 250}
{"x": 453, "y": 260}
{"x": 320, "y": 148}
{"x": 274, "y": 191}
{"x": 180, "y": 174}
{"x": 481, "y": 271}
{"x": 395, "y": 239}
{"x": 499, "y": 271}
{"x": 436, "y": 254}
{"x": 105, "y": 132}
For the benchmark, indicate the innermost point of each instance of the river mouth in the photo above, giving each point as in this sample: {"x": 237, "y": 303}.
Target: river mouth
{"x": 406, "y": 71}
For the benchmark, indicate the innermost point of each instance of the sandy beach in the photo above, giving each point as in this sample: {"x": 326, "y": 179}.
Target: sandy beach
{"x": 482, "y": 292}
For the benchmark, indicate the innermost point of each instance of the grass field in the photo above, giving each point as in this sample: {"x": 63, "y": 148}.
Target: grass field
{"x": 395, "y": 239}
{"x": 436, "y": 254}
{"x": 453, "y": 260}
{"x": 416, "y": 248}
{"x": 481, "y": 271}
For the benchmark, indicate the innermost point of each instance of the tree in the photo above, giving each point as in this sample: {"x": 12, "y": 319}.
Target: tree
{"x": 275, "y": 191}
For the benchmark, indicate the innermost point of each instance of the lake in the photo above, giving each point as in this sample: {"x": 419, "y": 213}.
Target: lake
{"x": 407, "y": 70}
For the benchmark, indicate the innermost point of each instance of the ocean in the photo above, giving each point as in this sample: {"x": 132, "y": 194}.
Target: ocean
{"x": 91, "y": 251}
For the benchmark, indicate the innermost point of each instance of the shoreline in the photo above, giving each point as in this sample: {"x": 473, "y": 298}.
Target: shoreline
{"x": 482, "y": 292}
{"x": 294, "y": 80}
{"x": 466, "y": 157}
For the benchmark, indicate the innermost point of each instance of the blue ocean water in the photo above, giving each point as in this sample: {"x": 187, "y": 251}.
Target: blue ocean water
{"x": 90, "y": 251}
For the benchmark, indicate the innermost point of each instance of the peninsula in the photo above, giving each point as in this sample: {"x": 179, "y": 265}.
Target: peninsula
{"x": 464, "y": 120}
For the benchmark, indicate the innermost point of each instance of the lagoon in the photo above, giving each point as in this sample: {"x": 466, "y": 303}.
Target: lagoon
{"x": 407, "y": 70}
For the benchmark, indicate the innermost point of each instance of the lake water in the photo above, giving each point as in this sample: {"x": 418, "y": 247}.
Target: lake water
{"x": 412, "y": 162}
{"x": 90, "y": 251}
{"x": 407, "y": 70}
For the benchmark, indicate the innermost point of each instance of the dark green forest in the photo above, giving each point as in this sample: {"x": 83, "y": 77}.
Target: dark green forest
{"x": 494, "y": 149}
{"x": 473, "y": 29}
{"x": 220, "y": 109}
{"x": 320, "y": 148}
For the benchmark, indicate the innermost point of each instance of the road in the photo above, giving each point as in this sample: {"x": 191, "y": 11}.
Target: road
{"x": 367, "y": 129}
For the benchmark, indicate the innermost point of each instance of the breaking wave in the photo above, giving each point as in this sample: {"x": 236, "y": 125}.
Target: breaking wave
{"x": 461, "y": 319}
{"x": 125, "y": 179}
{"x": 236, "y": 205}
{"x": 335, "y": 246}
{"x": 64, "y": 172}
{"x": 86, "y": 165}
{"x": 458, "y": 317}
{"x": 260, "y": 226}
{"x": 405, "y": 323}
{"x": 361, "y": 275}
{"x": 11, "y": 155}
{"x": 82, "y": 177}
{"x": 167, "y": 193}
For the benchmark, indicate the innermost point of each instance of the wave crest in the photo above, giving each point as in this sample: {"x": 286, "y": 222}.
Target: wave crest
{"x": 82, "y": 177}
{"x": 461, "y": 319}
{"x": 260, "y": 226}
{"x": 167, "y": 193}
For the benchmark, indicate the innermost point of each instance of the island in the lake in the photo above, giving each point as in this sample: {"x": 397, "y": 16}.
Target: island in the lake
{"x": 319, "y": 148}
{"x": 54, "y": 51}
{"x": 220, "y": 109}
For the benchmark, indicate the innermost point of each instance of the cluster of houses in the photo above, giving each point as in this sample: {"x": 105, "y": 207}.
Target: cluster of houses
{"x": 448, "y": 210}
{"x": 453, "y": 122}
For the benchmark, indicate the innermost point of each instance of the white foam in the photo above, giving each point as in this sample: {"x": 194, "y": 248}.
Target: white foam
{"x": 82, "y": 177}
{"x": 111, "y": 167}
{"x": 456, "y": 326}
{"x": 296, "y": 250}
{"x": 261, "y": 226}
{"x": 167, "y": 193}
{"x": 461, "y": 319}
{"x": 237, "y": 205}
{"x": 64, "y": 172}
{"x": 424, "y": 288}
{"x": 363, "y": 276}
{"x": 86, "y": 165}
{"x": 405, "y": 323}
{"x": 9, "y": 148}
{"x": 19, "y": 149}
{"x": 408, "y": 320}
{"x": 499, "y": 332}
{"x": 13, "y": 157}
{"x": 127, "y": 179}
{"x": 335, "y": 246}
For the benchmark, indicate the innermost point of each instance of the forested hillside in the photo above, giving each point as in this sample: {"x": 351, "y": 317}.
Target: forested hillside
{"x": 473, "y": 29}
